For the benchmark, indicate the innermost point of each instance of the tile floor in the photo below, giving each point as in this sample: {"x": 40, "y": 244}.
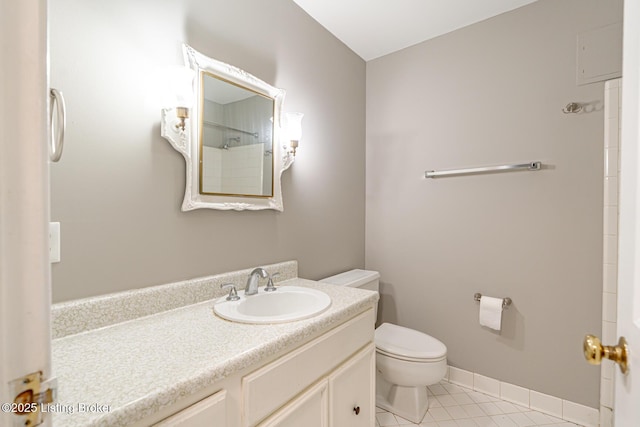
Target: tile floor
{"x": 455, "y": 406}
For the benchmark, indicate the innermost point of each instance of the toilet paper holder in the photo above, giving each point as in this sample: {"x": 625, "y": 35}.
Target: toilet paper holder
{"x": 506, "y": 302}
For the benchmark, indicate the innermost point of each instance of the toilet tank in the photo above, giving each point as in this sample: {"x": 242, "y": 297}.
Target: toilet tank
{"x": 363, "y": 279}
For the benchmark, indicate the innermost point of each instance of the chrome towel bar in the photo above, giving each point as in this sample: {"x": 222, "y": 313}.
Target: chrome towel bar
{"x": 218, "y": 125}
{"x": 532, "y": 166}
{"x": 506, "y": 302}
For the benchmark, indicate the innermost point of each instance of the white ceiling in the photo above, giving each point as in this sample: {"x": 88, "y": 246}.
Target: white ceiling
{"x": 374, "y": 28}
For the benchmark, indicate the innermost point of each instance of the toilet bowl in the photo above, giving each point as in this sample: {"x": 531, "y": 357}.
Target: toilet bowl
{"x": 407, "y": 361}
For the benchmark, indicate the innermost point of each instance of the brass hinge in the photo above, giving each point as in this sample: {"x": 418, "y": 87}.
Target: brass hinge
{"x": 31, "y": 393}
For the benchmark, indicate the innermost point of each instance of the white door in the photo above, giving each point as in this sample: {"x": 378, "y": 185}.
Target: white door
{"x": 627, "y": 396}
{"x": 25, "y": 276}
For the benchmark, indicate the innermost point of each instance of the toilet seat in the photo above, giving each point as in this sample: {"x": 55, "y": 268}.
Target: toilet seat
{"x": 408, "y": 344}
{"x": 410, "y": 359}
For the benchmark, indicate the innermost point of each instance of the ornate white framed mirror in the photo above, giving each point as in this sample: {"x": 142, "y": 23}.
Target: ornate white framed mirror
{"x": 231, "y": 139}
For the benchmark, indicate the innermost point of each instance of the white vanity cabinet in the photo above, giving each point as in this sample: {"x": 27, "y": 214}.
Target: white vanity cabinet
{"x": 343, "y": 357}
{"x": 327, "y": 382}
{"x": 343, "y": 399}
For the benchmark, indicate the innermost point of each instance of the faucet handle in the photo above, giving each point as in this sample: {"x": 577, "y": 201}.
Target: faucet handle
{"x": 233, "y": 293}
{"x": 270, "y": 287}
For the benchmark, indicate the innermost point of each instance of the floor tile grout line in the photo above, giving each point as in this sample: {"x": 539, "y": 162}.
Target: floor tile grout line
{"x": 444, "y": 388}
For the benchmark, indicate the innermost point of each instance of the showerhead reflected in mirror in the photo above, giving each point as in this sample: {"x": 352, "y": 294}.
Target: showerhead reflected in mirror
{"x": 236, "y": 140}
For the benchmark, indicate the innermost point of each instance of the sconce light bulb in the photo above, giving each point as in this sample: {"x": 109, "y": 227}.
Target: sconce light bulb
{"x": 294, "y": 145}
{"x": 183, "y": 114}
{"x": 293, "y": 130}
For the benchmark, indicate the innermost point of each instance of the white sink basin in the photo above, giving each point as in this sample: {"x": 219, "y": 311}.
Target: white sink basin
{"x": 286, "y": 304}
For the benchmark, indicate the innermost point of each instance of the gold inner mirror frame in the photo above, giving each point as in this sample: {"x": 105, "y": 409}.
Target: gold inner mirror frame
{"x": 236, "y": 139}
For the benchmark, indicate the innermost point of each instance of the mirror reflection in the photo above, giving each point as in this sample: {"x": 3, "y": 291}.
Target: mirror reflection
{"x": 236, "y": 140}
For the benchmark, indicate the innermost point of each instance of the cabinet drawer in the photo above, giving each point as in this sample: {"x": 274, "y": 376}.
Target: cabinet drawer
{"x": 270, "y": 387}
{"x": 209, "y": 412}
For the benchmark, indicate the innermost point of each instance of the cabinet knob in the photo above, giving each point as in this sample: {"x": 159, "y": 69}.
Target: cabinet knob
{"x": 356, "y": 410}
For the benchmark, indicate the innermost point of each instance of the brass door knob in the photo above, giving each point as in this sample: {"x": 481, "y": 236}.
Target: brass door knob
{"x": 594, "y": 352}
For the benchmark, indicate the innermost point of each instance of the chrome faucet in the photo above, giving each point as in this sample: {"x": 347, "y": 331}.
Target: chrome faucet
{"x": 252, "y": 281}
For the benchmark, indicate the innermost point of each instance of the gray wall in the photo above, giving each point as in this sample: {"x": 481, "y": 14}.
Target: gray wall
{"x": 118, "y": 189}
{"x": 491, "y": 94}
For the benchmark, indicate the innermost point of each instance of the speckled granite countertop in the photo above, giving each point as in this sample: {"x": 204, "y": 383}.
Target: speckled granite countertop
{"x": 130, "y": 370}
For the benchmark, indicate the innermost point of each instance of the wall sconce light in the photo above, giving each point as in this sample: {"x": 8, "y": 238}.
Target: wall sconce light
{"x": 293, "y": 130}
{"x": 183, "y": 114}
{"x": 180, "y": 95}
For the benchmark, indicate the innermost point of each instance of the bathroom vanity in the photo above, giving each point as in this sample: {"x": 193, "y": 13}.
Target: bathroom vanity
{"x": 326, "y": 382}
{"x": 188, "y": 367}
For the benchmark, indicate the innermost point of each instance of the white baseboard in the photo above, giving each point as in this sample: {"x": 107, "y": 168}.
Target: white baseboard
{"x": 554, "y": 406}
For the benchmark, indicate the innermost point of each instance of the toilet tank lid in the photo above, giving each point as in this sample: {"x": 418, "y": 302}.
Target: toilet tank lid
{"x": 407, "y": 342}
{"x": 353, "y": 278}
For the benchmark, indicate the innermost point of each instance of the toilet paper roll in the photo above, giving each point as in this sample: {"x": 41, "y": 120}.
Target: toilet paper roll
{"x": 491, "y": 312}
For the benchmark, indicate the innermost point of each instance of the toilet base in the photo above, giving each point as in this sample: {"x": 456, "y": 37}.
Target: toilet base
{"x": 411, "y": 403}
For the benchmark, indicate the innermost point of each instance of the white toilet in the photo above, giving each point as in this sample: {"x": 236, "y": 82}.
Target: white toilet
{"x": 407, "y": 361}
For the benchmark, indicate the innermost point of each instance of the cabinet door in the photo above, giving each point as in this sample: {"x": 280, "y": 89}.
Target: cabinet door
{"x": 307, "y": 410}
{"x": 209, "y": 412}
{"x": 351, "y": 391}
{"x": 272, "y": 386}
